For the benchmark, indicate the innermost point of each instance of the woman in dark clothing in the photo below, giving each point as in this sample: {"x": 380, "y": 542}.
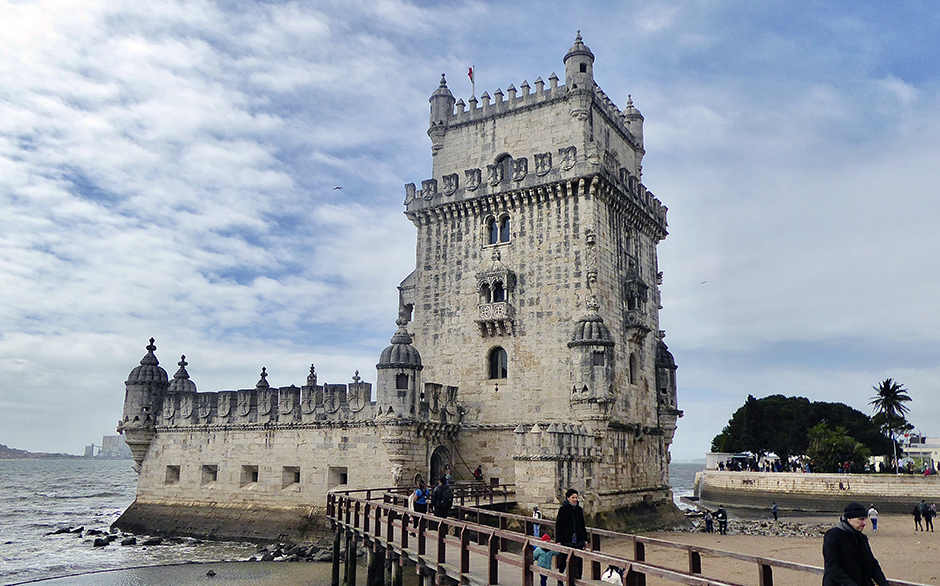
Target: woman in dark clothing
{"x": 570, "y": 531}
{"x": 847, "y": 556}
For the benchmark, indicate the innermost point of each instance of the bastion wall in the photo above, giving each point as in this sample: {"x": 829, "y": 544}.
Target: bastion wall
{"x": 815, "y": 492}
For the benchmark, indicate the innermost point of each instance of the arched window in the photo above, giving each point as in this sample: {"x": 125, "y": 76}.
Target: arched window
{"x": 504, "y": 229}
{"x": 633, "y": 368}
{"x": 485, "y": 296}
{"x": 492, "y": 230}
{"x": 401, "y": 381}
{"x": 499, "y": 363}
{"x": 499, "y": 294}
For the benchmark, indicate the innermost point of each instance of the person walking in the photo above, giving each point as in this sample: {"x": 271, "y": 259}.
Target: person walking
{"x": 916, "y": 513}
{"x": 570, "y": 531}
{"x": 774, "y": 510}
{"x": 927, "y": 514}
{"x": 721, "y": 515}
{"x": 847, "y": 555}
{"x": 709, "y": 522}
{"x": 543, "y": 557}
{"x": 442, "y": 499}
{"x": 873, "y": 516}
{"x": 536, "y": 527}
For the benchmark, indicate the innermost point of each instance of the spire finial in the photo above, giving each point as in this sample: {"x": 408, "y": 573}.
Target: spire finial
{"x": 263, "y": 381}
{"x": 182, "y": 363}
{"x": 443, "y": 81}
{"x": 578, "y": 39}
{"x": 151, "y": 347}
{"x": 312, "y": 377}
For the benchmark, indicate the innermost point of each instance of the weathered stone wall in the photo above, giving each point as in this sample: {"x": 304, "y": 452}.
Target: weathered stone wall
{"x": 816, "y": 492}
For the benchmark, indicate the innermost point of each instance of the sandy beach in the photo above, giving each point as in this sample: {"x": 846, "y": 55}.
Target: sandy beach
{"x": 904, "y": 554}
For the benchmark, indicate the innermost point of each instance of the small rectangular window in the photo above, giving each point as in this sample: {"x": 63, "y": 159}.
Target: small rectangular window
{"x": 172, "y": 475}
{"x": 338, "y": 476}
{"x": 249, "y": 475}
{"x": 598, "y": 359}
{"x": 401, "y": 381}
{"x": 210, "y": 473}
{"x": 290, "y": 475}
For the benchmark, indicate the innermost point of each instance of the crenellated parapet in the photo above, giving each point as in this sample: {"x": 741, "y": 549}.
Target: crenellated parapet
{"x": 566, "y": 442}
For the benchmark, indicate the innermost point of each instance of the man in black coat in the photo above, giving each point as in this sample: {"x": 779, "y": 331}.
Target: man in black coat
{"x": 570, "y": 531}
{"x": 847, "y": 555}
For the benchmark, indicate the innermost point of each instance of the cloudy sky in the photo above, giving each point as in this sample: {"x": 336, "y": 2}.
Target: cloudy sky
{"x": 168, "y": 169}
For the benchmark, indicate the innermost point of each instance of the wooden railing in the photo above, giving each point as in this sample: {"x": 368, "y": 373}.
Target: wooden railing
{"x": 506, "y": 539}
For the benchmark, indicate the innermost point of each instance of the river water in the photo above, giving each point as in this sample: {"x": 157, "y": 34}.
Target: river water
{"x": 37, "y": 497}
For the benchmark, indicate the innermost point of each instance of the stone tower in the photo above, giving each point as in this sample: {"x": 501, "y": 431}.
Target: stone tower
{"x": 536, "y": 290}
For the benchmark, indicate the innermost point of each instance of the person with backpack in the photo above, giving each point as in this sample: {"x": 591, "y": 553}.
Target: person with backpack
{"x": 543, "y": 558}
{"x": 442, "y": 499}
{"x": 927, "y": 514}
{"x": 421, "y": 498}
{"x": 916, "y": 513}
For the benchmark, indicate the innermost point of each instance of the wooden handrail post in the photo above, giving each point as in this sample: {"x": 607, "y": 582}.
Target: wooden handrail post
{"x": 639, "y": 554}
{"x": 595, "y": 565}
{"x": 441, "y": 544}
{"x": 357, "y": 508}
{"x": 766, "y": 575}
{"x": 465, "y": 550}
{"x": 493, "y": 565}
{"x": 367, "y": 509}
{"x": 528, "y": 559}
{"x": 695, "y": 562}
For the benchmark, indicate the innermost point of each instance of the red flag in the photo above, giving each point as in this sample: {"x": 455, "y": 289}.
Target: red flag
{"x": 470, "y": 75}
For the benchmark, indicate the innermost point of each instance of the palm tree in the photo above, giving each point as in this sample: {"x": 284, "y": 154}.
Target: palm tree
{"x": 889, "y": 403}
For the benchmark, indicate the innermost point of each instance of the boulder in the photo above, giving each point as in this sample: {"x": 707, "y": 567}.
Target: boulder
{"x": 129, "y": 541}
{"x": 153, "y": 541}
{"x": 101, "y": 542}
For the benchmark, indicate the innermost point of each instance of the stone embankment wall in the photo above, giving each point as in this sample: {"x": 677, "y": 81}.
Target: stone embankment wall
{"x": 815, "y": 492}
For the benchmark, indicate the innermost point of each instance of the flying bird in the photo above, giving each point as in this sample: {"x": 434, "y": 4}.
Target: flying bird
{"x": 337, "y": 187}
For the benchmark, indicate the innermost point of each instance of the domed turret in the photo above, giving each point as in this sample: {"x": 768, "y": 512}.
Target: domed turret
{"x": 401, "y": 354}
{"x": 579, "y": 66}
{"x": 590, "y": 330}
{"x": 442, "y": 109}
{"x": 592, "y": 360}
{"x": 145, "y": 388}
{"x": 181, "y": 382}
{"x": 149, "y": 370}
{"x": 397, "y": 378}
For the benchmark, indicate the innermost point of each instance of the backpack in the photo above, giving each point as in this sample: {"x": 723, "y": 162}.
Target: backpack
{"x": 447, "y": 499}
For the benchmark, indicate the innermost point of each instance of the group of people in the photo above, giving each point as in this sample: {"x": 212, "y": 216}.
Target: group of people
{"x": 926, "y": 512}
{"x": 721, "y": 515}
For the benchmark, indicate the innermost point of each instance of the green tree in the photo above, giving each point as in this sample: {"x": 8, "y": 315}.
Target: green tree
{"x": 828, "y": 448}
{"x": 780, "y": 425}
{"x": 889, "y": 402}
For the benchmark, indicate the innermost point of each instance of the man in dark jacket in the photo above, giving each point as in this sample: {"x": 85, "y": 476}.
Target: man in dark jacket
{"x": 442, "y": 499}
{"x": 847, "y": 555}
{"x": 570, "y": 531}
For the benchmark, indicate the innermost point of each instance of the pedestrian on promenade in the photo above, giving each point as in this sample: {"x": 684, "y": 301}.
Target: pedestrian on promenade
{"x": 916, "y": 513}
{"x": 847, "y": 555}
{"x": 543, "y": 557}
{"x": 873, "y": 515}
{"x": 709, "y": 522}
{"x": 536, "y": 513}
{"x": 928, "y": 514}
{"x": 570, "y": 531}
{"x": 774, "y": 510}
{"x": 721, "y": 515}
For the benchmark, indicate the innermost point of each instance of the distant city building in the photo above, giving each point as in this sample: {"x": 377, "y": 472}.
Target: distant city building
{"x": 921, "y": 449}
{"x": 113, "y": 447}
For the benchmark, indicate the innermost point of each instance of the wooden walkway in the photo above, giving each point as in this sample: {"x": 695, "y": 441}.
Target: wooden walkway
{"x": 484, "y": 547}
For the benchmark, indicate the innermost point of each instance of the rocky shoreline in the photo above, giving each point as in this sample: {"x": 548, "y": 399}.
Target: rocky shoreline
{"x": 764, "y": 527}
{"x": 317, "y": 550}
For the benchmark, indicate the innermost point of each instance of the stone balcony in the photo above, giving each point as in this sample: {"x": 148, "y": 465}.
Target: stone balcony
{"x": 495, "y": 319}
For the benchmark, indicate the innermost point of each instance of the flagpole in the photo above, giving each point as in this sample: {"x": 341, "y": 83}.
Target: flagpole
{"x": 473, "y": 81}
